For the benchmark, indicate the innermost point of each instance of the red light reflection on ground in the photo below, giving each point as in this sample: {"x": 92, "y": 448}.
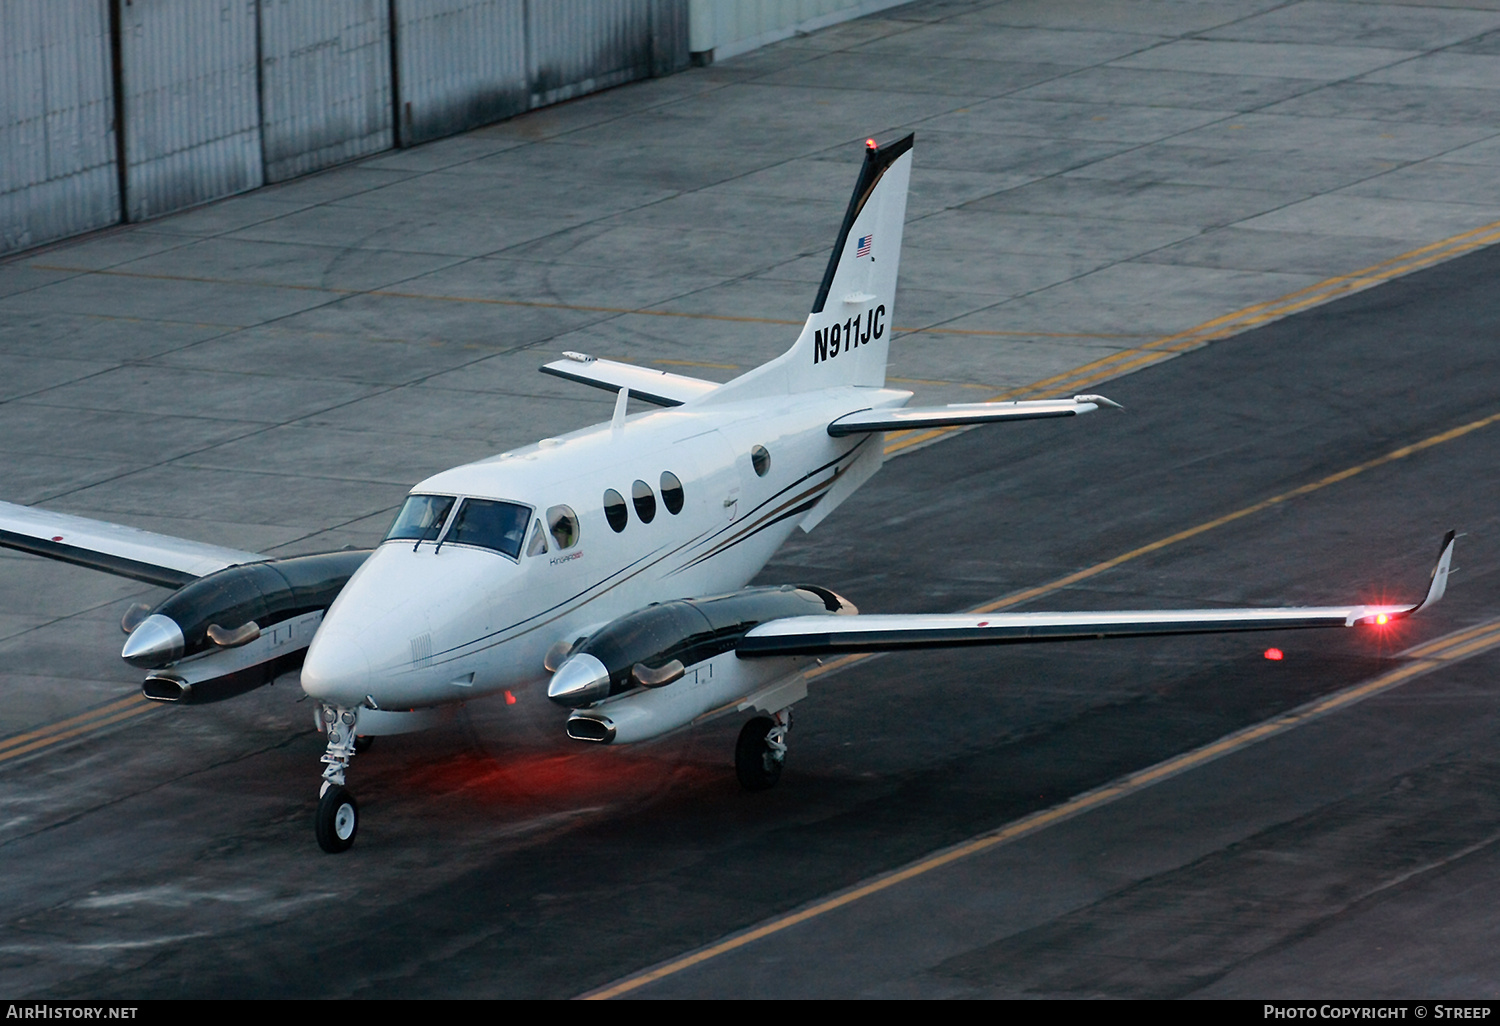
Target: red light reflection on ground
{"x": 589, "y": 777}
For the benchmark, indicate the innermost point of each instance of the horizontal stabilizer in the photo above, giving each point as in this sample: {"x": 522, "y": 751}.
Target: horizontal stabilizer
{"x": 829, "y": 635}
{"x": 652, "y": 386}
{"x": 958, "y": 414}
{"x": 114, "y": 548}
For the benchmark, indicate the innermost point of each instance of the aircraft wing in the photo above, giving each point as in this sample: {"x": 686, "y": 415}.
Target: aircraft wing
{"x": 827, "y": 635}
{"x": 906, "y": 418}
{"x": 653, "y": 386}
{"x": 113, "y": 548}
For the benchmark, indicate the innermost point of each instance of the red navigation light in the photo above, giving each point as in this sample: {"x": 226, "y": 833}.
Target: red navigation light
{"x": 871, "y": 145}
{"x": 510, "y": 699}
{"x": 1274, "y": 654}
{"x": 1382, "y": 618}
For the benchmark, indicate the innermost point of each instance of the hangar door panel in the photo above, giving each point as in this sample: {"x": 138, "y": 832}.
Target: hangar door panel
{"x": 460, "y": 64}
{"x": 192, "y": 113}
{"x": 57, "y": 140}
{"x": 580, "y": 46}
{"x": 325, "y": 83}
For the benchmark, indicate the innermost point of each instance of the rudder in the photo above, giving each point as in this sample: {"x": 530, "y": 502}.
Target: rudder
{"x": 846, "y": 338}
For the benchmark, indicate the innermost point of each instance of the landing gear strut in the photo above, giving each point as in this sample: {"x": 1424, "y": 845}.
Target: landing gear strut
{"x": 761, "y": 750}
{"x": 337, "y": 818}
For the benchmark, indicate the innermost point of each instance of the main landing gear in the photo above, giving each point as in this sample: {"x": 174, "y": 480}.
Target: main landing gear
{"x": 337, "y": 818}
{"x": 761, "y": 750}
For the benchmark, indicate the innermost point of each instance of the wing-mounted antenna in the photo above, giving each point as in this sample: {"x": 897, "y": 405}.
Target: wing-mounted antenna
{"x": 617, "y": 422}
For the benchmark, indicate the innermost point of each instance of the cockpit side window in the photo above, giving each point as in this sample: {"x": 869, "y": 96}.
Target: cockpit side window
{"x": 563, "y": 523}
{"x": 538, "y": 544}
{"x": 421, "y": 518}
{"x": 490, "y": 524}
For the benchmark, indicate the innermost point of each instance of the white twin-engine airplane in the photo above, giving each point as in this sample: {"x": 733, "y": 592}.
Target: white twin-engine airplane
{"x": 607, "y": 565}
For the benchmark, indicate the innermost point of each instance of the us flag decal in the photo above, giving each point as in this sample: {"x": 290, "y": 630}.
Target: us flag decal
{"x": 865, "y": 242}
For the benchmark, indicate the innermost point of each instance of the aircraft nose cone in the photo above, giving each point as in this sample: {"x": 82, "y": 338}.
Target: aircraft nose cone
{"x": 337, "y": 669}
{"x": 580, "y": 680}
{"x": 155, "y": 642}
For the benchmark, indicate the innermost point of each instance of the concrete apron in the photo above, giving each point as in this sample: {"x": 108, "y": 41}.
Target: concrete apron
{"x": 1096, "y": 187}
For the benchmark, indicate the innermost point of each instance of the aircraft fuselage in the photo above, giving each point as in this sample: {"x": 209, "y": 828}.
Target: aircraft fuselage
{"x": 433, "y": 620}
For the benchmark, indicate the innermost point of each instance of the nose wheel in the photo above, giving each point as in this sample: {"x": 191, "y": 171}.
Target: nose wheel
{"x": 761, "y": 750}
{"x": 337, "y": 818}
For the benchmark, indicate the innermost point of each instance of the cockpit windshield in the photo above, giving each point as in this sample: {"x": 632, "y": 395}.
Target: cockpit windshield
{"x": 421, "y": 518}
{"x": 490, "y": 524}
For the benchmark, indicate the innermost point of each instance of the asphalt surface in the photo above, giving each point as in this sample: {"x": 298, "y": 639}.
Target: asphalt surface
{"x": 174, "y": 857}
{"x": 274, "y": 370}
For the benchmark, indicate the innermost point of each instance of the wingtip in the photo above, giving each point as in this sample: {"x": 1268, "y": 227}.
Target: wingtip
{"x": 1439, "y": 581}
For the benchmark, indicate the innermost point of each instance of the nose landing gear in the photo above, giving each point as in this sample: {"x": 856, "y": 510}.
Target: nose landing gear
{"x": 337, "y": 818}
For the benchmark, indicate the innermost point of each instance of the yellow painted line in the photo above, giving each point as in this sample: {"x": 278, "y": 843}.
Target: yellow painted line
{"x": 1464, "y": 651}
{"x": 1126, "y": 360}
{"x": 1443, "y": 651}
{"x": 1078, "y": 377}
{"x": 1113, "y": 365}
{"x": 698, "y": 363}
{"x": 71, "y": 721}
{"x": 1020, "y": 334}
{"x": 540, "y": 305}
{"x": 64, "y": 730}
{"x": 1038, "y": 591}
{"x": 1192, "y": 532}
{"x": 1427, "y": 648}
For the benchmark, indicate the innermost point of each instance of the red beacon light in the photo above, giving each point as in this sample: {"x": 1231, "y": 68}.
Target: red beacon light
{"x": 870, "y": 144}
{"x": 1382, "y": 618}
{"x": 1275, "y": 654}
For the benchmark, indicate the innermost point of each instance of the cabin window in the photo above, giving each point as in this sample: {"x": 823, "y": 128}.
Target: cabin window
{"x": 563, "y": 523}
{"x": 538, "y": 544}
{"x": 614, "y": 510}
{"x": 645, "y": 501}
{"x": 421, "y": 518}
{"x": 671, "y": 492}
{"x": 489, "y": 524}
{"x": 760, "y": 459}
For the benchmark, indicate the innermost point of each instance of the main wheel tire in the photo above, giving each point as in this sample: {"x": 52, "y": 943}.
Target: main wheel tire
{"x": 337, "y": 820}
{"x": 754, "y": 762}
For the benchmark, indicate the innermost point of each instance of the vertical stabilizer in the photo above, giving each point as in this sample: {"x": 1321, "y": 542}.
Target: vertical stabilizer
{"x": 848, "y": 334}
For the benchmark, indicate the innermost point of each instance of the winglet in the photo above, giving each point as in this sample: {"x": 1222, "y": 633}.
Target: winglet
{"x": 1440, "y": 572}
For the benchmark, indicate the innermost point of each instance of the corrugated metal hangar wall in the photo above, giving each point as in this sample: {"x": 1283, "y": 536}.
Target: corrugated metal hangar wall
{"x": 128, "y": 109}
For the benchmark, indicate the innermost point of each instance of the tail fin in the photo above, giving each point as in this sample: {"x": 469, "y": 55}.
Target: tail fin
{"x": 847, "y": 336}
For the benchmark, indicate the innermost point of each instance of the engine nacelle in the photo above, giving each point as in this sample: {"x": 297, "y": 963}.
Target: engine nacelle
{"x": 720, "y": 684}
{"x": 660, "y": 668}
{"x": 237, "y": 628}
